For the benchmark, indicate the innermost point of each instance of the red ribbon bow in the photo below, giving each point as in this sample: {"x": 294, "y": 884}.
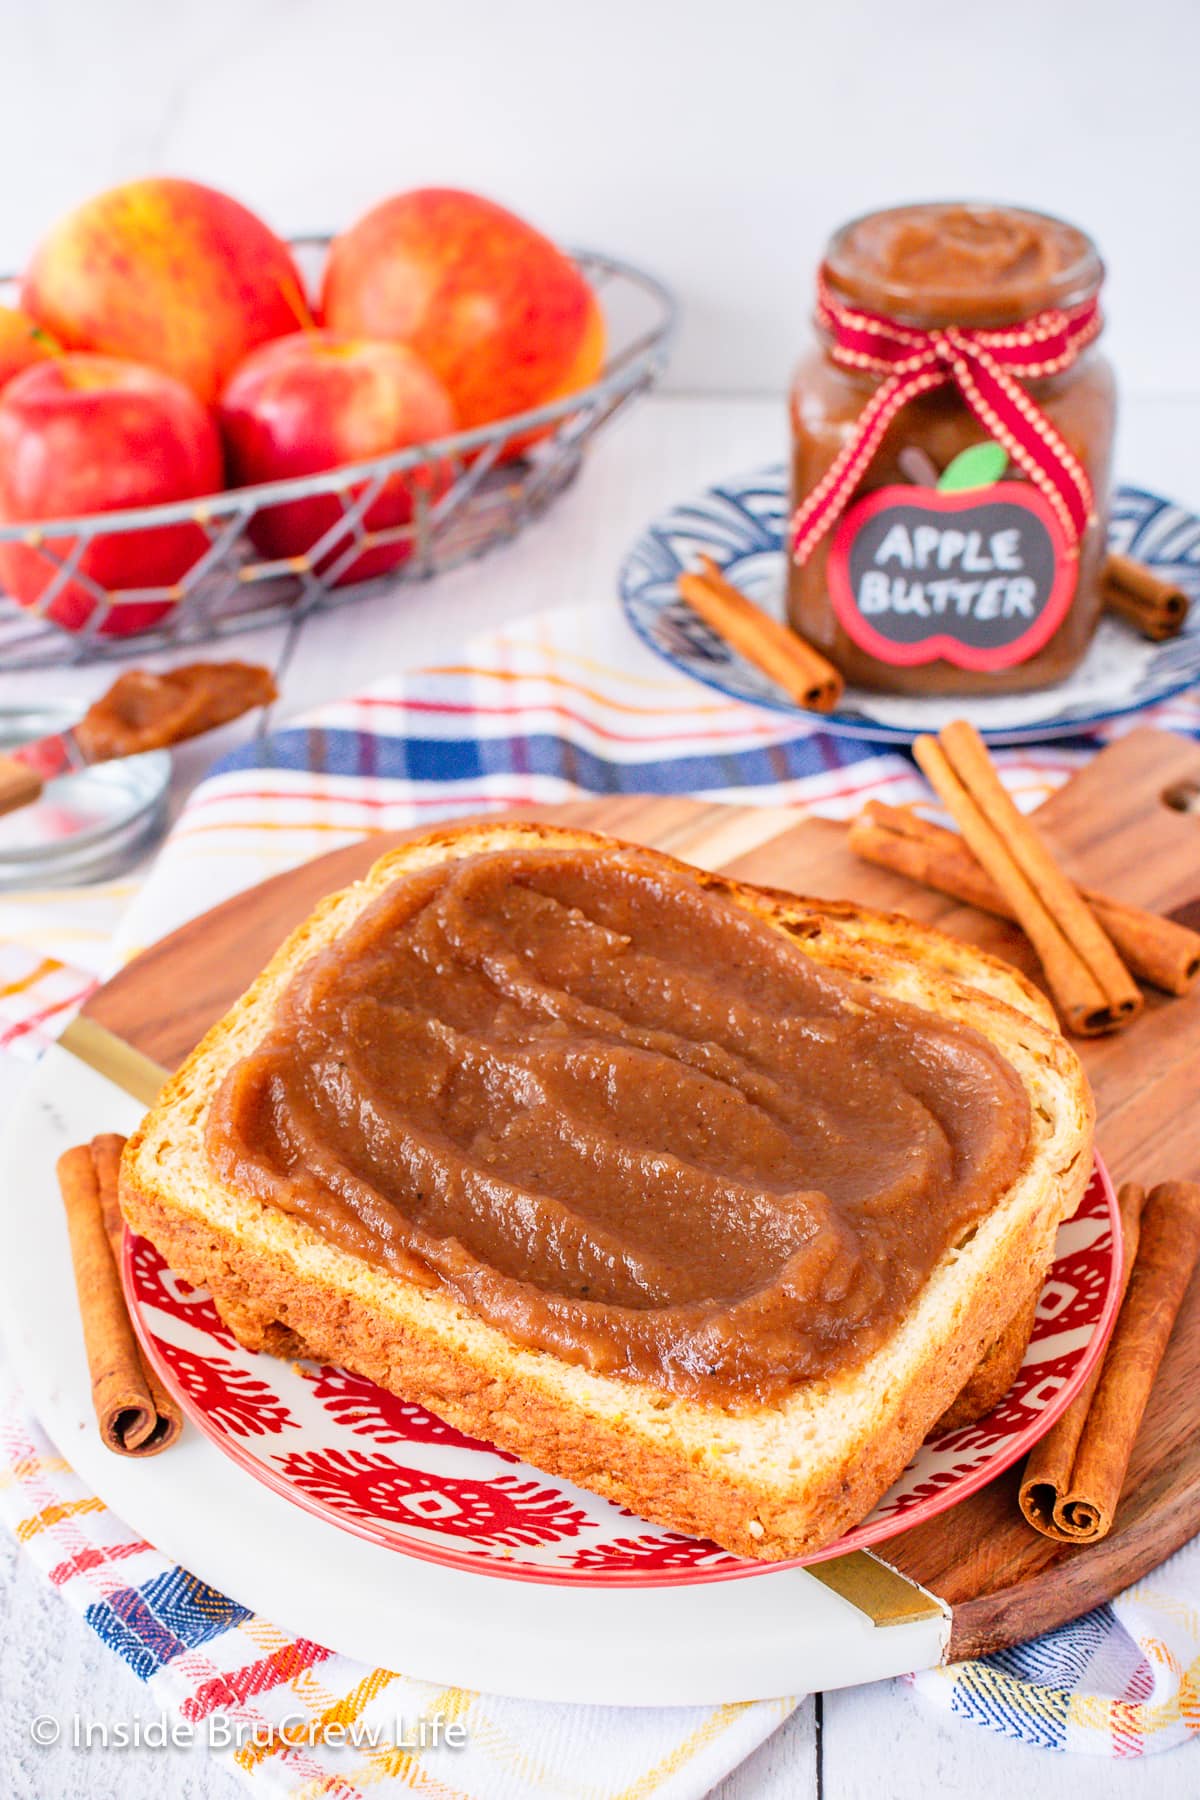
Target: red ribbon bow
{"x": 987, "y": 366}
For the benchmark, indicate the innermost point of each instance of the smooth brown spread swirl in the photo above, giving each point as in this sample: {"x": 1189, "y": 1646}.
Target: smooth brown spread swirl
{"x": 143, "y": 710}
{"x": 623, "y": 1119}
{"x": 950, "y": 263}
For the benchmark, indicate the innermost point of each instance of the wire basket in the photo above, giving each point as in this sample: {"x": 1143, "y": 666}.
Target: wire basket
{"x": 479, "y": 500}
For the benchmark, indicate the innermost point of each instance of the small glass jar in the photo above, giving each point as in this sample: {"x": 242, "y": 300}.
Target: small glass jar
{"x": 931, "y": 266}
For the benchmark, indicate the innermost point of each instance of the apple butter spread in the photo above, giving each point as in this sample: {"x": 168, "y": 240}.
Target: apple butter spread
{"x": 622, "y": 1118}
{"x": 144, "y": 711}
{"x": 958, "y": 545}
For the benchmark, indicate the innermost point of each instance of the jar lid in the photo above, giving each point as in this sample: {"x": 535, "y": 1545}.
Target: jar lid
{"x": 957, "y": 262}
{"x": 86, "y": 826}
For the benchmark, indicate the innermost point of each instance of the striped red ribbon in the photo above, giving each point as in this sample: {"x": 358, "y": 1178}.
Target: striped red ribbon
{"x": 988, "y": 367}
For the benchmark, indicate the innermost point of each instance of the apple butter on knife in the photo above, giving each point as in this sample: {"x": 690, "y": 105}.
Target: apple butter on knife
{"x": 144, "y": 711}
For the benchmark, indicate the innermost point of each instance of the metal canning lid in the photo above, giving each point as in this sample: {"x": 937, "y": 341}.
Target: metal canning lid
{"x": 86, "y": 826}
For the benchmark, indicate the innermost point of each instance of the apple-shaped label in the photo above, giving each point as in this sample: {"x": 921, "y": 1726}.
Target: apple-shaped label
{"x": 980, "y": 578}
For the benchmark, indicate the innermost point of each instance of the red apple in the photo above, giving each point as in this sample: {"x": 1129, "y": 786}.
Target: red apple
{"x": 169, "y": 273}
{"x": 318, "y": 401}
{"x": 22, "y": 342}
{"x": 501, "y": 316}
{"x": 88, "y": 434}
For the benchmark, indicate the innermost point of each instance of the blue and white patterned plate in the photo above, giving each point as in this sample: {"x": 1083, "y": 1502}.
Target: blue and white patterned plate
{"x": 740, "y": 524}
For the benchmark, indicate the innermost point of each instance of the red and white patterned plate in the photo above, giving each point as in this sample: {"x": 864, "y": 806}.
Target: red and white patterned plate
{"x": 356, "y": 1456}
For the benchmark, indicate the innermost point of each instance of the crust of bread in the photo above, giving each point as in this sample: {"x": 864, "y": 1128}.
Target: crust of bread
{"x": 775, "y": 1481}
{"x": 996, "y": 1371}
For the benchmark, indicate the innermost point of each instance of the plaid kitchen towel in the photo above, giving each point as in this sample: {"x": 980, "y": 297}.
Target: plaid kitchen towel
{"x": 299, "y": 1720}
{"x": 1122, "y": 1681}
{"x": 567, "y": 704}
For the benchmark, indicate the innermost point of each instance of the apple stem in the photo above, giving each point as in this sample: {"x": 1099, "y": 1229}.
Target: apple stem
{"x": 297, "y": 304}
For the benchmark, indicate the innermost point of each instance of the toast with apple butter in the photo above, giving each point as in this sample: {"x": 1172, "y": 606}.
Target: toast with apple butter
{"x": 707, "y": 1197}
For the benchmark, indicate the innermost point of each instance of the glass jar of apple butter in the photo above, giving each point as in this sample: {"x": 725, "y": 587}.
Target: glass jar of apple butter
{"x": 951, "y": 451}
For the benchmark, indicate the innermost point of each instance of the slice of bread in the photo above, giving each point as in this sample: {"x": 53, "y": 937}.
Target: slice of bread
{"x": 779, "y": 1480}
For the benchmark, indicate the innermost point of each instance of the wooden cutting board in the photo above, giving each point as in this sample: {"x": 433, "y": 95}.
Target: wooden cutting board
{"x": 1115, "y": 828}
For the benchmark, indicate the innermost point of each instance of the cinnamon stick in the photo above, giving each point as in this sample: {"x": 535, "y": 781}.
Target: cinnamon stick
{"x": 106, "y": 1156}
{"x": 1140, "y": 596}
{"x": 1091, "y": 986}
{"x": 1046, "y": 1478}
{"x": 1157, "y": 950}
{"x": 803, "y": 673}
{"x": 1073, "y": 1479}
{"x": 135, "y": 1415}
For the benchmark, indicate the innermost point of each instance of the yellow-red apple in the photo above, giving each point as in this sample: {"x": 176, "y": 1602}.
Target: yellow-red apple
{"x": 585, "y": 368}
{"x": 317, "y": 401}
{"x": 88, "y": 434}
{"x": 22, "y": 342}
{"x": 503, "y": 318}
{"x": 166, "y": 272}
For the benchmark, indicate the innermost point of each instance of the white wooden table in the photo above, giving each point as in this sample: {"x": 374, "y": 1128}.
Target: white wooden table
{"x": 873, "y": 1743}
